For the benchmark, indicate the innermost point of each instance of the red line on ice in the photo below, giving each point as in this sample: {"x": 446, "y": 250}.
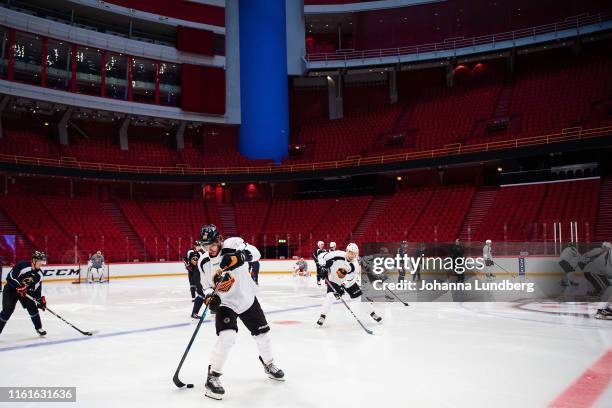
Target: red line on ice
{"x": 588, "y": 387}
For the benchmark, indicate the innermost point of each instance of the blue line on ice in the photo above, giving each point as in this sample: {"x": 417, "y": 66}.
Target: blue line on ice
{"x": 126, "y": 332}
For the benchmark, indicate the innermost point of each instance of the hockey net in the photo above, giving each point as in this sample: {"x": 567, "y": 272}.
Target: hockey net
{"x": 88, "y": 274}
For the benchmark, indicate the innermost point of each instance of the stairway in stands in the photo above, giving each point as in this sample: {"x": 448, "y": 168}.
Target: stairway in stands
{"x": 24, "y": 246}
{"x": 603, "y": 229}
{"x": 123, "y": 225}
{"x": 375, "y": 209}
{"x": 227, "y": 216}
{"x": 481, "y": 203}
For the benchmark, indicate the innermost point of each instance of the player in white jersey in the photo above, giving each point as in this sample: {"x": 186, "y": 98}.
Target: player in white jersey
{"x": 569, "y": 262}
{"x": 597, "y": 267}
{"x": 342, "y": 269}
{"x": 224, "y": 265}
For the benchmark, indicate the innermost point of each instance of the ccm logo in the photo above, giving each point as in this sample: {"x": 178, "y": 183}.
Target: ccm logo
{"x": 60, "y": 272}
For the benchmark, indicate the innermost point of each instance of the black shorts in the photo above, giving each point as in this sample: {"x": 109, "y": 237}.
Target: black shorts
{"x": 567, "y": 267}
{"x": 253, "y": 318}
{"x": 354, "y": 291}
{"x": 10, "y": 299}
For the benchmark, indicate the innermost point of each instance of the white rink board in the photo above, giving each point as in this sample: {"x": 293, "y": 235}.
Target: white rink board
{"x": 533, "y": 265}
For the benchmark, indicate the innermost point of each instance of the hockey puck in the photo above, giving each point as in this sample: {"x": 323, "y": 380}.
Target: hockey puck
{"x": 189, "y": 385}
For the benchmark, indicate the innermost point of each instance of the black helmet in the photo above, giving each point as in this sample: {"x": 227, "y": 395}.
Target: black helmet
{"x": 194, "y": 254}
{"x": 39, "y": 256}
{"x": 209, "y": 234}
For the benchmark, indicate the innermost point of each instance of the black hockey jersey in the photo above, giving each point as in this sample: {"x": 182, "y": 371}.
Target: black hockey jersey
{"x": 24, "y": 274}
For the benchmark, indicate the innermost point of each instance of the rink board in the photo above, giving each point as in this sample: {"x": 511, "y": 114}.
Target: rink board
{"x": 534, "y": 266}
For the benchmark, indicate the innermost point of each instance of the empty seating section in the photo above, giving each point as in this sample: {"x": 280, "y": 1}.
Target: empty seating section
{"x": 337, "y": 224}
{"x": 548, "y": 92}
{"x": 290, "y": 218}
{"x": 167, "y": 227}
{"x": 520, "y": 212}
{"x": 178, "y": 221}
{"x": 402, "y": 212}
{"x": 442, "y": 218}
{"x": 442, "y": 116}
{"x": 36, "y": 224}
{"x": 342, "y": 138}
{"x": 250, "y": 218}
{"x": 24, "y": 142}
{"x": 571, "y": 202}
{"x": 426, "y": 214}
{"x": 444, "y": 21}
{"x": 85, "y": 218}
{"x": 144, "y": 227}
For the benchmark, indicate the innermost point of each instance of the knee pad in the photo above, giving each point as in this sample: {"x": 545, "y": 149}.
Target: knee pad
{"x": 227, "y": 337}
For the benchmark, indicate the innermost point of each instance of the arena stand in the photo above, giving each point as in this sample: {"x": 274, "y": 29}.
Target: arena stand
{"x": 167, "y": 227}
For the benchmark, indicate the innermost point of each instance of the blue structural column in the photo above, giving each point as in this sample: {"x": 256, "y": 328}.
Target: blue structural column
{"x": 264, "y": 100}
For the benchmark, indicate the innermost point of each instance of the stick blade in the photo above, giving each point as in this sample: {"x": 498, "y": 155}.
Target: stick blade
{"x": 177, "y": 381}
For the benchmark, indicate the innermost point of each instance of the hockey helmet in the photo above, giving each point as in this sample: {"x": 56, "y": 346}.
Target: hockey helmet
{"x": 488, "y": 242}
{"x": 606, "y": 245}
{"x": 39, "y": 256}
{"x": 320, "y": 243}
{"x": 352, "y": 247}
{"x": 332, "y": 244}
{"x": 209, "y": 234}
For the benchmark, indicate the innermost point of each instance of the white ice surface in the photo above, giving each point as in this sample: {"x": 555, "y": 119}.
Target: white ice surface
{"x": 424, "y": 355}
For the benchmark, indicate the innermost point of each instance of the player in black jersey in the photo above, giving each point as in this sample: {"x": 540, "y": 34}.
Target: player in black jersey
{"x": 191, "y": 264}
{"x": 25, "y": 279}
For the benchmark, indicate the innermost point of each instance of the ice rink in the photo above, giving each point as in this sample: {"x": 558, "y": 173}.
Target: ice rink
{"x": 424, "y": 355}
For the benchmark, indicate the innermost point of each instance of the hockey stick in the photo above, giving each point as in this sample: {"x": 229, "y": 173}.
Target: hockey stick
{"x": 176, "y": 379}
{"x": 85, "y": 333}
{"x": 397, "y": 297}
{"x": 350, "y": 310}
{"x": 503, "y": 269}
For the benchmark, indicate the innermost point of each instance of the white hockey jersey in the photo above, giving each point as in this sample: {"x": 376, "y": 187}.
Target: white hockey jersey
{"x": 486, "y": 252}
{"x": 335, "y": 260}
{"x": 242, "y": 293}
{"x": 599, "y": 261}
{"x": 571, "y": 256}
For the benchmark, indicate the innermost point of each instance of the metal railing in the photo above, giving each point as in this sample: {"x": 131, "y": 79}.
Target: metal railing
{"x": 574, "y": 22}
{"x": 565, "y": 135}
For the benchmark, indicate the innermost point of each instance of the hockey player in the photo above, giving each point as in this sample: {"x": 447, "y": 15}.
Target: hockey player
{"x": 224, "y": 266}
{"x": 315, "y": 256}
{"x": 25, "y": 279}
{"x": 342, "y": 268}
{"x": 197, "y": 293}
{"x": 419, "y": 252}
{"x": 568, "y": 261}
{"x": 96, "y": 262}
{"x": 487, "y": 255}
{"x": 401, "y": 251}
{"x": 456, "y": 252}
{"x": 598, "y": 271}
{"x": 300, "y": 268}
{"x": 254, "y": 271}
{"x": 191, "y": 267}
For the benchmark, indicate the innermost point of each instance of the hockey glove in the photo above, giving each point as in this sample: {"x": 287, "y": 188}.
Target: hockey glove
{"x": 22, "y": 290}
{"x": 338, "y": 293}
{"x": 213, "y": 302}
{"x": 233, "y": 261}
{"x": 42, "y": 303}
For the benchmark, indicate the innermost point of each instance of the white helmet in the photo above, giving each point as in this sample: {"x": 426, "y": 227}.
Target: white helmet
{"x": 332, "y": 244}
{"x": 352, "y": 248}
{"x": 488, "y": 242}
{"x": 320, "y": 243}
{"x": 606, "y": 245}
